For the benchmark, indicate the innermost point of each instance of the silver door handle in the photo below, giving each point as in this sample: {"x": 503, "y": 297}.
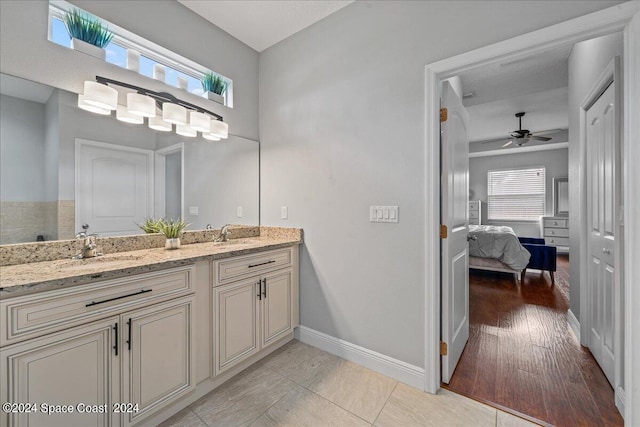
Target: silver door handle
{"x": 606, "y": 251}
{"x": 469, "y": 237}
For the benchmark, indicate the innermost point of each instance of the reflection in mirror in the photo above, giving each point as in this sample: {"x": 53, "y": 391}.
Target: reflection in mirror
{"x": 62, "y": 167}
{"x": 561, "y": 196}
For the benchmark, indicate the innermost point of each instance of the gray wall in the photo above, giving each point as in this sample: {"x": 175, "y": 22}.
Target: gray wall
{"x": 30, "y": 55}
{"x": 586, "y": 63}
{"x": 342, "y": 128}
{"x": 22, "y": 134}
{"x": 173, "y": 186}
{"x": 556, "y": 163}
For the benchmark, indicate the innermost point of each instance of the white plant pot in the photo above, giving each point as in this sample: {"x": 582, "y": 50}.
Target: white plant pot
{"x": 172, "y": 243}
{"x": 215, "y": 97}
{"x": 88, "y": 48}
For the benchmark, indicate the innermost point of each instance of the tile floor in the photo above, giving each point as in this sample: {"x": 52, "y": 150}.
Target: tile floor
{"x": 300, "y": 385}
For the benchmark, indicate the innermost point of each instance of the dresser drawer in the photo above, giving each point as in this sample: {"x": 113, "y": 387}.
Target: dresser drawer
{"x": 473, "y": 215}
{"x": 556, "y": 232}
{"x": 239, "y": 267}
{"x": 36, "y": 315}
{"x": 474, "y": 206}
{"x": 556, "y": 241}
{"x": 556, "y": 223}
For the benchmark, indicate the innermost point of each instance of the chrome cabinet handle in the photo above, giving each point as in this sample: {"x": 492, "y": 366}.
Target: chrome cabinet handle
{"x": 606, "y": 251}
{"x": 469, "y": 237}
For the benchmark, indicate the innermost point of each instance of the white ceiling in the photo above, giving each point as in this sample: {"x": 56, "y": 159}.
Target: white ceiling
{"x": 263, "y": 23}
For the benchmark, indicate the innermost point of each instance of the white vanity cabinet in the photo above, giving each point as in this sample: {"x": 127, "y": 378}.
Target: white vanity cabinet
{"x": 128, "y": 341}
{"x": 252, "y": 311}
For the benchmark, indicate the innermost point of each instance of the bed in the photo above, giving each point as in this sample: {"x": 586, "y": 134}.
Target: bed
{"x": 496, "y": 248}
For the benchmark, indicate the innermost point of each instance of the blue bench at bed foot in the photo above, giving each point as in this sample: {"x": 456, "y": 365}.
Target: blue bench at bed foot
{"x": 543, "y": 257}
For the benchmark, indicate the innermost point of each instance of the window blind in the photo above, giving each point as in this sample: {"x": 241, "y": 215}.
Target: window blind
{"x": 516, "y": 194}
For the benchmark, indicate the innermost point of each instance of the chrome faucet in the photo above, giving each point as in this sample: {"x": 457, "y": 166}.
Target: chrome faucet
{"x": 224, "y": 234}
{"x": 89, "y": 247}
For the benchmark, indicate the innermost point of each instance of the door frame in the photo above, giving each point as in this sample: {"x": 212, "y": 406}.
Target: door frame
{"x": 160, "y": 178}
{"x": 612, "y": 73}
{"x": 624, "y": 17}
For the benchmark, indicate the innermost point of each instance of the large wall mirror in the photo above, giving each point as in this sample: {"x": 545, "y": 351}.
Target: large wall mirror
{"x": 561, "y": 196}
{"x": 62, "y": 167}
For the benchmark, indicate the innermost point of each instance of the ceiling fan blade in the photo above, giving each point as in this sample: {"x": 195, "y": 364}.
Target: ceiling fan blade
{"x": 540, "y": 138}
{"x": 548, "y": 132}
{"x": 508, "y": 143}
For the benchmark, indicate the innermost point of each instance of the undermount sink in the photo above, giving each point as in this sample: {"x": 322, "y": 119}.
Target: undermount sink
{"x": 235, "y": 242}
{"x": 101, "y": 260}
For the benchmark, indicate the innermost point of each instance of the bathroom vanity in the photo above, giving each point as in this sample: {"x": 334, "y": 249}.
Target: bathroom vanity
{"x": 133, "y": 337}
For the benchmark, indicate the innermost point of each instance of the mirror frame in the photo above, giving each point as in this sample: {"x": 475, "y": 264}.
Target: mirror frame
{"x": 557, "y": 182}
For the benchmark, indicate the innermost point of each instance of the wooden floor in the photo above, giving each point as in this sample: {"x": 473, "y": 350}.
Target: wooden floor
{"x": 522, "y": 355}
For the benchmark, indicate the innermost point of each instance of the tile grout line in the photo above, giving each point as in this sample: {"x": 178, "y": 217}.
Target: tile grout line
{"x": 385, "y": 403}
{"x": 198, "y": 416}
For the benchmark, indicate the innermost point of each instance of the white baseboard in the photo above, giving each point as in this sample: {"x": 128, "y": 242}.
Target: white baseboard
{"x": 394, "y": 368}
{"x": 619, "y": 400}
{"x": 574, "y": 325}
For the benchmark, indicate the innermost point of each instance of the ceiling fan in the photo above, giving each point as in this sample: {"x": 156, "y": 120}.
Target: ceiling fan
{"x": 522, "y": 136}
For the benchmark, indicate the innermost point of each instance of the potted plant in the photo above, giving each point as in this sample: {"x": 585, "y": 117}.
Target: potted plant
{"x": 172, "y": 230}
{"x": 88, "y": 35}
{"x": 214, "y": 87}
{"x": 151, "y": 225}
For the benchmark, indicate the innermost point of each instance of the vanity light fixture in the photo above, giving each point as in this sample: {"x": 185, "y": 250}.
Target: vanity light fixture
{"x": 91, "y": 108}
{"x": 100, "y": 98}
{"x": 156, "y": 123}
{"x": 141, "y": 105}
{"x": 123, "y": 114}
{"x": 99, "y": 95}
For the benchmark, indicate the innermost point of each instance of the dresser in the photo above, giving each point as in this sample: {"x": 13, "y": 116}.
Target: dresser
{"x": 475, "y": 212}
{"x": 555, "y": 231}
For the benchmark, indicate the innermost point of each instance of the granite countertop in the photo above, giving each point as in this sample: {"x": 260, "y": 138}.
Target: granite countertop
{"x": 23, "y": 279}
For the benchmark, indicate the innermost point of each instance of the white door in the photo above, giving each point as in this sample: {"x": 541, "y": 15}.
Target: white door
{"x": 158, "y": 356}
{"x": 455, "y": 216}
{"x": 79, "y": 365}
{"x": 276, "y": 306}
{"x": 602, "y": 199}
{"x": 114, "y": 187}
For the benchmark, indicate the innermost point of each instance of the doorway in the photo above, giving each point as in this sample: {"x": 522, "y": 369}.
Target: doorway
{"x": 580, "y": 29}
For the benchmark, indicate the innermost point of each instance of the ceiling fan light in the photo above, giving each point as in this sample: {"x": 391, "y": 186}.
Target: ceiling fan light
{"x": 99, "y": 95}
{"x": 91, "y": 108}
{"x": 186, "y": 130}
{"x": 123, "y": 114}
{"x": 141, "y": 105}
{"x": 156, "y": 123}
{"x": 219, "y": 129}
{"x": 174, "y": 113}
{"x": 200, "y": 121}
{"x": 210, "y": 137}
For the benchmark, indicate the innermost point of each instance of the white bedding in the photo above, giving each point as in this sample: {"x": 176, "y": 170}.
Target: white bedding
{"x": 499, "y": 242}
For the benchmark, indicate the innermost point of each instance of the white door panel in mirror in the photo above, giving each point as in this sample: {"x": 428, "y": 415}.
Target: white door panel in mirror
{"x": 40, "y": 125}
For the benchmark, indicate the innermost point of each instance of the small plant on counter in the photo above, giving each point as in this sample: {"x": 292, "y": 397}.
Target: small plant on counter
{"x": 172, "y": 230}
{"x": 87, "y": 28}
{"x": 151, "y": 225}
{"x": 212, "y": 82}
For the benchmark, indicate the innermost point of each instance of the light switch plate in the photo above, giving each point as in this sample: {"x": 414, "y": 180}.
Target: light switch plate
{"x": 193, "y": 210}
{"x": 284, "y": 212}
{"x": 239, "y": 212}
{"x": 383, "y": 214}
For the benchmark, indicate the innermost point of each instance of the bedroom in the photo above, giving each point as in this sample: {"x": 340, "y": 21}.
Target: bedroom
{"x": 518, "y": 318}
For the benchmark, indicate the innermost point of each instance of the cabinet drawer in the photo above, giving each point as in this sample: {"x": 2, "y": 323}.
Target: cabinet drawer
{"x": 235, "y": 268}
{"x": 474, "y": 205}
{"x": 473, "y": 214}
{"x": 556, "y": 232}
{"x": 556, "y": 223}
{"x": 556, "y": 241}
{"x": 36, "y": 315}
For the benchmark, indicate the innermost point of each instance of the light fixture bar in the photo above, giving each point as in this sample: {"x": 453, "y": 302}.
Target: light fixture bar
{"x": 160, "y": 97}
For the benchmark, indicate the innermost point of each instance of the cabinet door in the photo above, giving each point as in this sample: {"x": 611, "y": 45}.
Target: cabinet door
{"x": 77, "y": 366}
{"x": 276, "y": 306}
{"x": 236, "y": 310}
{"x": 158, "y": 356}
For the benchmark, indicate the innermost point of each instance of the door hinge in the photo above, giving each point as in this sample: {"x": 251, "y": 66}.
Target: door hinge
{"x": 443, "y": 231}
{"x": 443, "y": 115}
{"x": 444, "y": 348}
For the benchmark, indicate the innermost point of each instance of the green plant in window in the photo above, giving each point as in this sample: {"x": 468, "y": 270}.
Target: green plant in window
{"x": 87, "y": 28}
{"x": 173, "y": 228}
{"x": 212, "y": 82}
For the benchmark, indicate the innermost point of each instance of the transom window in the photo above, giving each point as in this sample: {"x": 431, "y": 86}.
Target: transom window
{"x": 516, "y": 194}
